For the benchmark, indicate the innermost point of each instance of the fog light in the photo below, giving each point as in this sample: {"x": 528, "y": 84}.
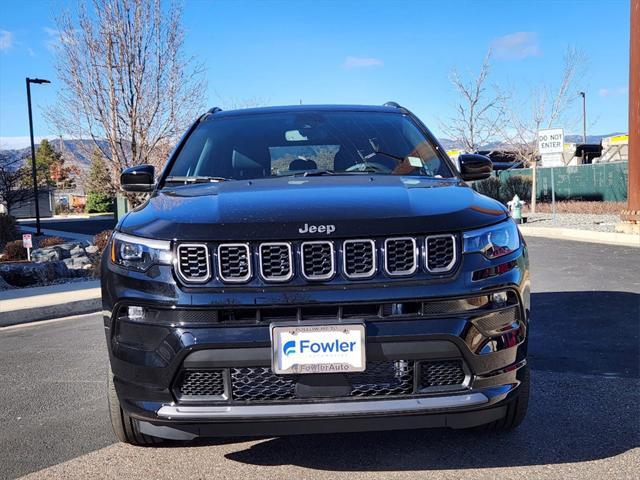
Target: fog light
{"x": 135, "y": 313}
{"x": 499, "y": 299}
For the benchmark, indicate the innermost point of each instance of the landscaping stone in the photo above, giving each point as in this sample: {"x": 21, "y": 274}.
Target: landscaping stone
{"x": 4, "y": 285}
{"x": 25, "y": 274}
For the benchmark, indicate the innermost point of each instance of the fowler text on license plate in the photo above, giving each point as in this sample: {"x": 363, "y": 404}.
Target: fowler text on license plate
{"x": 301, "y": 349}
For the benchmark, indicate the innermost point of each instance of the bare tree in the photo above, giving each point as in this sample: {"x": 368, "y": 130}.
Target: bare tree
{"x": 12, "y": 182}
{"x": 479, "y": 111}
{"x": 548, "y": 107}
{"x": 125, "y": 78}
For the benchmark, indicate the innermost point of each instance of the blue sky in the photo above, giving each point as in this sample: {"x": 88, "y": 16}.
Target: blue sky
{"x": 353, "y": 52}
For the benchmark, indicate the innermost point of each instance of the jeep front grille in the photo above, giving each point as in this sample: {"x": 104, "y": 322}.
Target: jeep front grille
{"x": 359, "y": 258}
{"x": 440, "y": 252}
{"x": 318, "y": 260}
{"x": 401, "y": 256}
{"x": 234, "y": 262}
{"x": 276, "y": 262}
{"x": 193, "y": 262}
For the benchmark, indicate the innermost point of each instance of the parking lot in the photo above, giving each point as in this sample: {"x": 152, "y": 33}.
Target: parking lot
{"x": 583, "y": 421}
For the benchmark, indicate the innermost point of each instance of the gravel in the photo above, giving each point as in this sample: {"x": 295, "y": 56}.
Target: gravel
{"x": 580, "y": 221}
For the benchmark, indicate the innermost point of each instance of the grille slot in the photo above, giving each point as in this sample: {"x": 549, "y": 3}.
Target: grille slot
{"x": 440, "y": 253}
{"x": 435, "y": 375}
{"x": 318, "y": 262}
{"x": 234, "y": 262}
{"x": 383, "y": 379}
{"x": 359, "y": 258}
{"x": 276, "y": 262}
{"x": 401, "y": 256}
{"x": 202, "y": 383}
{"x": 193, "y": 262}
{"x": 260, "y": 384}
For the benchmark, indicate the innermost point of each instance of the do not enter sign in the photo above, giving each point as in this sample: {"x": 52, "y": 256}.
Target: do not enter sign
{"x": 551, "y": 141}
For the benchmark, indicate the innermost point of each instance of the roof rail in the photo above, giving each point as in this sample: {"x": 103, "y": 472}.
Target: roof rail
{"x": 214, "y": 110}
{"x": 392, "y": 104}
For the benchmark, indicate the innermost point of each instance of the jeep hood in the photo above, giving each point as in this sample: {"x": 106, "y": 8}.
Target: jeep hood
{"x": 277, "y": 208}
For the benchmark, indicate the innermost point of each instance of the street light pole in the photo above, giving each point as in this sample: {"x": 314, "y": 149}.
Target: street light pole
{"x": 584, "y": 117}
{"x": 33, "y": 150}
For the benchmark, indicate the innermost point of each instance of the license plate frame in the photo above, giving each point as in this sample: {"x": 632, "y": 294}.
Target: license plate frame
{"x": 346, "y": 359}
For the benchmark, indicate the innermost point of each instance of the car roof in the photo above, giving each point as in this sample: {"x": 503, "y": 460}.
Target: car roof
{"x": 309, "y": 108}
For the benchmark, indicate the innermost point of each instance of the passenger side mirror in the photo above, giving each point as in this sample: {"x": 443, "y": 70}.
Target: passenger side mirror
{"x": 474, "y": 167}
{"x": 140, "y": 178}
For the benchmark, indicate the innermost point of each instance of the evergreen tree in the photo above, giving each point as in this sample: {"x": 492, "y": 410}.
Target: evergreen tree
{"x": 99, "y": 188}
{"x": 49, "y": 163}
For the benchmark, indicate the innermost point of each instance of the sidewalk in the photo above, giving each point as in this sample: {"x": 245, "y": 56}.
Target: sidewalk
{"x": 612, "y": 238}
{"x": 43, "y": 303}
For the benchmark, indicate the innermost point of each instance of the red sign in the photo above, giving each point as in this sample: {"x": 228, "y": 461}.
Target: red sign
{"x": 26, "y": 240}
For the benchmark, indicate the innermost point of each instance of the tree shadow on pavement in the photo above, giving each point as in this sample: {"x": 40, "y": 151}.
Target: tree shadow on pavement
{"x": 584, "y": 351}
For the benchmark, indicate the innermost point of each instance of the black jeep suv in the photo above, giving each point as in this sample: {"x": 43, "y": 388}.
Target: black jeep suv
{"x": 313, "y": 269}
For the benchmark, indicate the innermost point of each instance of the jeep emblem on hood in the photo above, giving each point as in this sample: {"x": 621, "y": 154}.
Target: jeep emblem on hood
{"x": 328, "y": 229}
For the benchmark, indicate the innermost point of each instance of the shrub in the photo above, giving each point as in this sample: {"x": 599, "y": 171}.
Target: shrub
{"x": 8, "y": 230}
{"x": 14, "y": 251}
{"x": 50, "y": 242}
{"x": 100, "y": 240}
{"x": 489, "y": 187}
{"x": 99, "y": 203}
{"x": 516, "y": 185}
{"x": 61, "y": 209}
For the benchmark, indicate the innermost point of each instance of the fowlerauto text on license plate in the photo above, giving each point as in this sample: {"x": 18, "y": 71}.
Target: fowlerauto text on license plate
{"x": 303, "y": 349}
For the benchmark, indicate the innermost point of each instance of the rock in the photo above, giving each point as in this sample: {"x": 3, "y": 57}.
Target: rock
{"x": 26, "y": 274}
{"x": 91, "y": 249}
{"x": 4, "y": 285}
{"x": 77, "y": 251}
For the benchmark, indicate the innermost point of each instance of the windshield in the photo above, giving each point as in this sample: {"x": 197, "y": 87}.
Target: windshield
{"x": 306, "y": 143}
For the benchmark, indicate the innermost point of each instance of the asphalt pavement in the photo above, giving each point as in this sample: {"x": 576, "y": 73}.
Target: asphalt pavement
{"x": 583, "y": 421}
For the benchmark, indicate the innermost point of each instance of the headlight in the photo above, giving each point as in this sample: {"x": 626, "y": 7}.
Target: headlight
{"x": 138, "y": 253}
{"x": 493, "y": 242}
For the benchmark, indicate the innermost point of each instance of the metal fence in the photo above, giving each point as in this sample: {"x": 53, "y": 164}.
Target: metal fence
{"x": 599, "y": 182}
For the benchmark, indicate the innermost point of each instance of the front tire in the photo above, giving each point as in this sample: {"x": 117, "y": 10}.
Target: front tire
{"x": 125, "y": 427}
{"x": 516, "y": 410}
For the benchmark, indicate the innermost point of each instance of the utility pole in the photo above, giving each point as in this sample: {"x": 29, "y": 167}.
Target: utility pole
{"x": 631, "y": 216}
{"x": 34, "y": 173}
{"x": 584, "y": 117}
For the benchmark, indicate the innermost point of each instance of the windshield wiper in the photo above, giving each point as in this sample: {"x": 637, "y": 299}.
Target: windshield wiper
{"x": 194, "y": 179}
{"x": 310, "y": 173}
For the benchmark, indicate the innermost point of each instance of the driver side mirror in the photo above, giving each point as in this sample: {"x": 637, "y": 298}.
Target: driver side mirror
{"x": 140, "y": 178}
{"x": 474, "y": 167}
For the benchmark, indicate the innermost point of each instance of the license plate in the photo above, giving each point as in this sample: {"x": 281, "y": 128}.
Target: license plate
{"x": 317, "y": 349}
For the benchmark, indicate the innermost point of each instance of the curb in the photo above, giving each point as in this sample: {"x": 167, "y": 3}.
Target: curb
{"x": 610, "y": 238}
{"x": 49, "y": 312}
{"x": 45, "y": 303}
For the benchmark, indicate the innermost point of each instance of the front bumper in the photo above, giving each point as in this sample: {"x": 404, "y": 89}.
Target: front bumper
{"x": 148, "y": 358}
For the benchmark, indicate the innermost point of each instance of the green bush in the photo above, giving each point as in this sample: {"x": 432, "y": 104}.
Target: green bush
{"x": 8, "y": 230}
{"x": 14, "y": 251}
{"x": 516, "y": 185}
{"x": 489, "y": 187}
{"x": 99, "y": 203}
